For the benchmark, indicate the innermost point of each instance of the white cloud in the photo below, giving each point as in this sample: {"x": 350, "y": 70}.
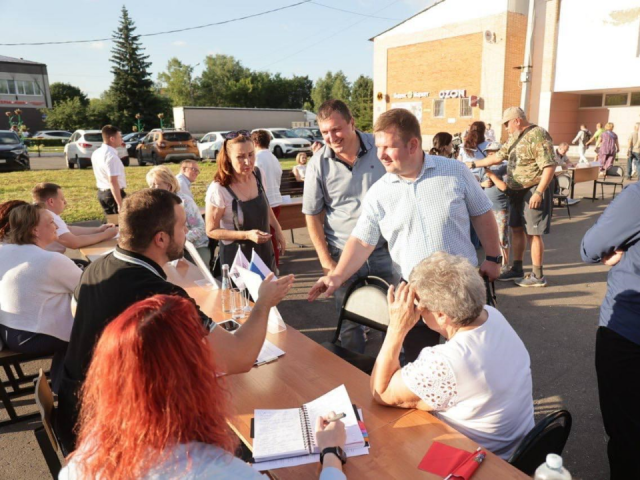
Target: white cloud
{"x": 180, "y": 43}
{"x": 97, "y": 45}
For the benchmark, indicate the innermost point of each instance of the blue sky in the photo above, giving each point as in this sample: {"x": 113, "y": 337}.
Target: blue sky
{"x": 304, "y": 40}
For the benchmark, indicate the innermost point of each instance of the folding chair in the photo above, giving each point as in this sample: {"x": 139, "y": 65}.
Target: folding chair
{"x": 10, "y": 361}
{"x": 365, "y": 303}
{"x": 564, "y": 186}
{"x": 615, "y": 172}
{"x": 548, "y": 436}
{"x": 45, "y": 435}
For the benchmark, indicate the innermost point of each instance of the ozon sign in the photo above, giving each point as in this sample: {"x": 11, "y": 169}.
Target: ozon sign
{"x": 453, "y": 93}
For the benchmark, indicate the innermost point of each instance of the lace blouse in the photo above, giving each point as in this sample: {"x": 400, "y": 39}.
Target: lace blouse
{"x": 197, "y": 233}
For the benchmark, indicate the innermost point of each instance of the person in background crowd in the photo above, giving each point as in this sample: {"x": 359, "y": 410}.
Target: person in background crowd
{"x": 5, "y": 211}
{"x": 474, "y": 143}
{"x": 479, "y": 381}
{"x": 614, "y": 241}
{"x": 238, "y": 212}
{"x": 300, "y": 170}
{"x": 35, "y": 289}
{"x": 489, "y": 134}
{"x": 109, "y": 171}
{"x": 52, "y": 198}
{"x": 582, "y": 139}
{"x": 131, "y": 426}
{"x": 189, "y": 171}
{"x": 595, "y": 140}
{"x": 530, "y": 176}
{"x": 152, "y": 233}
{"x": 633, "y": 152}
{"x": 442, "y": 145}
{"x": 337, "y": 179}
{"x": 162, "y": 177}
{"x": 499, "y": 200}
{"x": 560, "y": 156}
{"x": 271, "y": 170}
{"x": 609, "y": 148}
{"x": 419, "y": 193}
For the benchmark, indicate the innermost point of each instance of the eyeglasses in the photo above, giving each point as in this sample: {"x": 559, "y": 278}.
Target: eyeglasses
{"x": 235, "y": 134}
{"x": 195, "y": 169}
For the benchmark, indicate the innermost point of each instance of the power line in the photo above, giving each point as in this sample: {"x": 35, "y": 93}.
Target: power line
{"x": 161, "y": 33}
{"x": 354, "y": 13}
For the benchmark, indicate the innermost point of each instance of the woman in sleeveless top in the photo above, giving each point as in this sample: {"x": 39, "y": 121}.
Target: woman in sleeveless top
{"x": 238, "y": 213}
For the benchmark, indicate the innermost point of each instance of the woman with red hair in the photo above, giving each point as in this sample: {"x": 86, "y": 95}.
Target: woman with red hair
{"x": 153, "y": 405}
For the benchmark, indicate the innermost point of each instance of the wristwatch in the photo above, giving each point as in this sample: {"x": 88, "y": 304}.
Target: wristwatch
{"x": 539, "y": 193}
{"x": 497, "y": 259}
{"x": 337, "y": 451}
{"x": 473, "y": 164}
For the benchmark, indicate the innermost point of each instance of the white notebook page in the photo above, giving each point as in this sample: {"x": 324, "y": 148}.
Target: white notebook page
{"x": 278, "y": 434}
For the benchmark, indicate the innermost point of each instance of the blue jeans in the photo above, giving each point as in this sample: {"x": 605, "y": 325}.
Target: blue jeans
{"x": 379, "y": 265}
{"x": 634, "y": 159}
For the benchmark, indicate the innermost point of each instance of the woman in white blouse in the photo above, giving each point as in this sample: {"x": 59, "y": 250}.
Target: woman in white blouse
{"x": 479, "y": 381}
{"x": 35, "y": 288}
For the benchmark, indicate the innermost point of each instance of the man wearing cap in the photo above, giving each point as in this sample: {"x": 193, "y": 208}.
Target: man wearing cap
{"x": 530, "y": 174}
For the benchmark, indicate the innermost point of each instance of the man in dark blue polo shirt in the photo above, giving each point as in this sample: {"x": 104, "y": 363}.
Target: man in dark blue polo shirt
{"x": 152, "y": 233}
{"x": 615, "y": 241}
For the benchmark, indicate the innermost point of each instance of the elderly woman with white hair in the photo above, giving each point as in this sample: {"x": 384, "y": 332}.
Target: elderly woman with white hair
{"x": 479, "y": 381}
{"x": 163, "y": 178}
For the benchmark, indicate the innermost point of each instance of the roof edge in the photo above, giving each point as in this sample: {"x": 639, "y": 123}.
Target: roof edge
{"x": 407, "y": 19}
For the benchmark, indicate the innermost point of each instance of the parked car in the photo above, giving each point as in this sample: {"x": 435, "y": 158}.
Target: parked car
{"x": 286, "y": 142}
{"x": 131, "y": 141}
{"x": 161, "y": 146}
{"x": 81, "y": 146}
{"x": 309, "y": 133}
{"x": 51, "y": 134}
{"x": 210, "y": 145}
{"x": 13, "y": 152}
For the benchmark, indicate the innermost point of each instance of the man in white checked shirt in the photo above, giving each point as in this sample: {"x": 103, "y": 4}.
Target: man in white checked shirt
{"x": 423, "y": 204}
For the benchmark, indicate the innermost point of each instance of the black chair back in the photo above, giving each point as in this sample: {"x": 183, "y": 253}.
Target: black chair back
{"x": 548, "y": 436}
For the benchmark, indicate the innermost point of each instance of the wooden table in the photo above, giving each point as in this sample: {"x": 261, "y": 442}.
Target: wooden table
{"x": 399, "y": 437}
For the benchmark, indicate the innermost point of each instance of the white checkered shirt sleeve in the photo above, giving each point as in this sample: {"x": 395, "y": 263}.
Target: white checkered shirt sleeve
{"x": 368, "y": 227}
{"x": 477, "y": 201}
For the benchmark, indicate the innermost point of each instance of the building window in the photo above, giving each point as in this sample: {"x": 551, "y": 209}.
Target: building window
{"x": 616, "y": 100}
{"x": 590, "y": 101}
{"x": 635, "y": 99}
{"x": 465, "y": 107}
{"x": 438, "y": 108}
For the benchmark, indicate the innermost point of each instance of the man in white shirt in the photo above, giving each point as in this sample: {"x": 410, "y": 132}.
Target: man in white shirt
{"x": 271, "y": 176}
{"x": 52, "y": 198}
{"x": 489, "y": 134}
{"x": 189, "y": 171}
{"x": 109, "y": 171}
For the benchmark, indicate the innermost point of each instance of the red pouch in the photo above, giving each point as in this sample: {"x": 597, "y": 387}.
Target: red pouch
{"x": 444, "y": 460}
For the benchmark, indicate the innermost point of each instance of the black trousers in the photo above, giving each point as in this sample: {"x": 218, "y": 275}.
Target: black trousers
{"x": 107, "y": 202}
{"x": 618, "y": 370}
{"x": 39, "y": 344}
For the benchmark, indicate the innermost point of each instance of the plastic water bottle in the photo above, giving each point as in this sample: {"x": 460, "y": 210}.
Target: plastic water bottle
{"x": 226, "y": 289}
{"x": 552, "y": 469}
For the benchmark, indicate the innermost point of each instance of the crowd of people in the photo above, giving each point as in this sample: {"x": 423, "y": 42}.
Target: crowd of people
{"x": 134, "y": 359}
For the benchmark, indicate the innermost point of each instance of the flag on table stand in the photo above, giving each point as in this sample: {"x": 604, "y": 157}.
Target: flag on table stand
{"x": 239, "y": 261}
{"x": 258, "y": 266}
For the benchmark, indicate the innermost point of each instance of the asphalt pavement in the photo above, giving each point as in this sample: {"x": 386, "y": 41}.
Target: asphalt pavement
{"x": 557, "y": 324}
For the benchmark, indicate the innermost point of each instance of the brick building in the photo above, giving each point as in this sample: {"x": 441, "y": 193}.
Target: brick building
{"x": 463, "y": 60}
{"x": 23, "y": 85}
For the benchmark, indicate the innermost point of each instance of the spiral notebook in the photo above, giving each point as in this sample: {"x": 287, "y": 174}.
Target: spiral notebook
{"x": 291, "y": 432}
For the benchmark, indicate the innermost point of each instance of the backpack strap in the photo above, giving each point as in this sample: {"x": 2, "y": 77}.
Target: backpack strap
{"x": 524, "y": 132}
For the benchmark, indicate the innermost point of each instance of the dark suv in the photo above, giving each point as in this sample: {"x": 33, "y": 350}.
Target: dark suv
{"x": 13, "y": 152}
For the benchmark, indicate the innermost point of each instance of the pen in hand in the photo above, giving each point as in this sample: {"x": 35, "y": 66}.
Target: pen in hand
{"x": 336, "y": 417}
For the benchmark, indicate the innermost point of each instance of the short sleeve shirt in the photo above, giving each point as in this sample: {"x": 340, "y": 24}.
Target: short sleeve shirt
{"x": 332, "y": 186}
{"x": 185, "y": 185}
{"x": 427, "y": 215}
{"x": 106, "y": 164}
{"x": 61, "y": 229}
{"x": 532, "y": 154}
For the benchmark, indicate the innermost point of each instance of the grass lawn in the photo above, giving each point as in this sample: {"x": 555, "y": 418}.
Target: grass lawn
{"x": 80, "y": 186}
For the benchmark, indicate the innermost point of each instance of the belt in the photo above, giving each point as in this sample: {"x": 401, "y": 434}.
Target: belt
{"x": 108, "y": 189}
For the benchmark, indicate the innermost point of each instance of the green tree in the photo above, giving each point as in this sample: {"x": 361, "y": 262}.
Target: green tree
{"x": 65, "y": 91}
{"x": 362, "y": 103}
{"x": 177, "y": 83}
{"x": 68, "y": 114}
{"x": 101, "y": 111}
{"x": 341, "y": 88}
{"x": 131, "y": 89}
{"x": 224, "y": 81}
{"x": 335, "y": 86}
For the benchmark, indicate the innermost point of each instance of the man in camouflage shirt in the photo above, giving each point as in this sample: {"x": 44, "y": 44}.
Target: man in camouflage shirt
{"x": 530, "y": 175}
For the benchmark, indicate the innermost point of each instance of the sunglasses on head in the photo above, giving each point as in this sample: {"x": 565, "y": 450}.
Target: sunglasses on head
{"x": 235, "y": 134}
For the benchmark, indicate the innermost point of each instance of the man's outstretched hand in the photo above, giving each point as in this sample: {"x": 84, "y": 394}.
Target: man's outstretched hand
{"x": 326, "y": 285}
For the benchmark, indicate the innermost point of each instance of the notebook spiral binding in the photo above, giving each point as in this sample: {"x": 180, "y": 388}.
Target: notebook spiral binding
{"x": 309, "y": 442}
